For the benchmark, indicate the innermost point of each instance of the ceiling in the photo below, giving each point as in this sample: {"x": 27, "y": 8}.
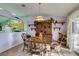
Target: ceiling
{"x": 30, "y": 9}
{"x": 45, "y": 9}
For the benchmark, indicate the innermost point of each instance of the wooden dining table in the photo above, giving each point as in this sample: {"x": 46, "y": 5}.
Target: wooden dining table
{"x": 32, "y": 43}
{"x": 35, "y": 40}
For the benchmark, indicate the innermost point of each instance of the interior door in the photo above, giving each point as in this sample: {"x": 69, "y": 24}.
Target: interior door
{"x": 75, "y": 34}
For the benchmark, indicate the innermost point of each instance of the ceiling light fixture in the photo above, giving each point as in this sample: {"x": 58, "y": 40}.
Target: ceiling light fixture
{"x": 23, "y": 5}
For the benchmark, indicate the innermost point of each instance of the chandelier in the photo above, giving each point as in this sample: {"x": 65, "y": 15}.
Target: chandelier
{"x": 39, "y": 18}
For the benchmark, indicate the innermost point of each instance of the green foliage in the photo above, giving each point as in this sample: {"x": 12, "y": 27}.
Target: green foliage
{"x": 7, "y": 22}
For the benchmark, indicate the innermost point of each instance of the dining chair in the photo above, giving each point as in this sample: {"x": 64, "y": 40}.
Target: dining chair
{"x": 24, "y": 37}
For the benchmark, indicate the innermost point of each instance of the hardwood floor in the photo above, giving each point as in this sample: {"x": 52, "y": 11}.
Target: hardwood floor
{"x": 13, "y": 51}
{"x": 17, "y": 51}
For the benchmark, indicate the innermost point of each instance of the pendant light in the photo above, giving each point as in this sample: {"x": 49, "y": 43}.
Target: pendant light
{"x": 39, "y": 18}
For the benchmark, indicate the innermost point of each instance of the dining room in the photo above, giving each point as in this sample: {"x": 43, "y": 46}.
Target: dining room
{"x": 37, "y": 29}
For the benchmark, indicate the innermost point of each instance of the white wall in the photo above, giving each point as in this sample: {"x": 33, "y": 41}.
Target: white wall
{"x": 63, "y": 27}
{"x": 74, "y": 14}
{"x": 31, "y": 19}
{"x": 9, "y": 40}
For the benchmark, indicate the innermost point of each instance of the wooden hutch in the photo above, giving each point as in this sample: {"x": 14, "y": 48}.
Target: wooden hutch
{"x": 45, "y": 28}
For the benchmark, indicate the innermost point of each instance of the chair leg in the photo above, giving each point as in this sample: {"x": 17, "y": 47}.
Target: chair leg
{"x": 23, "y": 47}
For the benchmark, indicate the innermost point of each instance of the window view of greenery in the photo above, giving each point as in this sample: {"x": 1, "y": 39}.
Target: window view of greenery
{"x": 11, "y": 25}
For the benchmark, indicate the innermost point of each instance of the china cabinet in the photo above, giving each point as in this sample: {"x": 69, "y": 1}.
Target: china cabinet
{"x": 44, "y": 27}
